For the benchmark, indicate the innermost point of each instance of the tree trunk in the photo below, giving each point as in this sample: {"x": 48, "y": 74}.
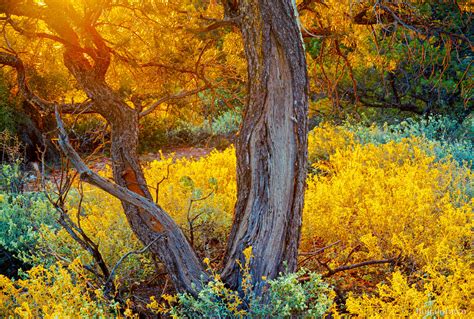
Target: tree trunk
{"x": 152, "y": 226}
{"x": 272, "y": 143}
{"x": 33, "y": 135}
{"x": 172, "y": 248}
{"x": 271, "y": 148}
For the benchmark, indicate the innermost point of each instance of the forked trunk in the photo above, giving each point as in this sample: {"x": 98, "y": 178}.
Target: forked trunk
{"x": 169, "y": 243}
{"x": 271, "y": 148}
{"x": 272, "y": 143}
{"x": 152, "y": 225}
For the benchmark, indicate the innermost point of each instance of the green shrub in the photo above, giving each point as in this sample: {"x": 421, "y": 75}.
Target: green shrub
{"x": 12, "y": 178}
{"x": 21, "y": 216}
{"x": 287, "y": 297}
{"x": 157, "y": 132}
{"x": 9, "y": 119}
{"x": 283, "y": 297}
{"x": 444, "y": 134}
{"x": 227, "y": 123}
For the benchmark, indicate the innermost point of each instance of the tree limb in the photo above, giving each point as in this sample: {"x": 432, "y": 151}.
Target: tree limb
{"x": 216, "y": 24}
{"x": 45, "y": 106}
{"x": 17, "y": 63}
{"x": 319, "y": 250}
{"x": 350, "y": 267}
{"x": 93, "y": 178}
{"x": 168, "y": 98}
{"x": 171, "y": 246}
{"x": 305, "y": 4}
{"x": 358, "y": 265}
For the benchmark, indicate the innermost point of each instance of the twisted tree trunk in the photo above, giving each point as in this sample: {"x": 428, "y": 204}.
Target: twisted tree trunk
{"x": 271, "y": 148}
{"x": 272, "y": 142}
{"x": 172, "y": 248}
{"x": 150, "y": 225}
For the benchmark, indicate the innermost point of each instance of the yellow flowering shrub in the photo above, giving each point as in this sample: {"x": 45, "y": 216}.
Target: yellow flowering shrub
{"x": 442, "y": 290}
{"x": 54, "y": 292}
{"x": 374, "y": 201}
{"x": 325, "y": 139}
{"x": 388, "y": 196}
{"x": 103, "y": 220}
{"x": 195, "y": 179}
{"x": 389, "y": 200}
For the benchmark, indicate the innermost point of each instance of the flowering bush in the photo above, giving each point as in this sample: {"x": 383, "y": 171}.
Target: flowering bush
{"x": 54, "y": 292}
{"x": 180, "y": 194}
{"x": 379, "y": 201}
{"x": 286, "y": 296}
{"x": 375, "y": 199}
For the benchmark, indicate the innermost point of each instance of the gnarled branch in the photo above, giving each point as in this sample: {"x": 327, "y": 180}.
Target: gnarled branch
{"x": 93, "y": 178}
{"x": 45, "y": 106}
{"x": 169, "y": 98}
{"x": 171, "y": 247}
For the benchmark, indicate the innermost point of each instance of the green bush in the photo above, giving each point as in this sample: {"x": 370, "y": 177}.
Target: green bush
{"x": 227, "y": 123}
{"x": 12, "y": 178}
{"x": 283, "y": 297}
{"x": 444, "y": 134}
{"x": 158, "y": 132}
{"x": 21, "y": 215}
{"x": 9, "y": 119}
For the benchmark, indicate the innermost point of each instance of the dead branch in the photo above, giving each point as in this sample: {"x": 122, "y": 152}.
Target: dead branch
{"x": 330, "y": 272}
{"x": 305, "y": 4}
{"x": 75, "y": 230}
{"x": 45, "y": 106}
{"x": 359, "y": 265}
{"x": 120, "y": 192}
{"x": 133, "y": 252}
{"x": 157, "y": 189}
{"x": 319, "y": 250}
{"x": 190, "y": 219}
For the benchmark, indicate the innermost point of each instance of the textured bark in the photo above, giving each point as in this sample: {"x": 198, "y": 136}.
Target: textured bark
{"x": 172, "y": 248}
{"x": 271, "y": 148}
{"x": 33, "y": 135}
{"x": 88, "y": 63}
{"x": 272, "y": 143}
{"x": 149, "y": 222}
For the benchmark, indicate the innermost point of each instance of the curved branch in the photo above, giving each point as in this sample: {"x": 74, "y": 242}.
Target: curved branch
{"x": 171, "y": 247}
{"x": 305, "y": 4}
{"x": 216, "y": 24}
{"x": 45, "y": 106}
{"x": 168, "y": 98}
{"x": 42, "y": 35}
{"x": 93, "y": 178}
{"x": 16, "y": 63}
